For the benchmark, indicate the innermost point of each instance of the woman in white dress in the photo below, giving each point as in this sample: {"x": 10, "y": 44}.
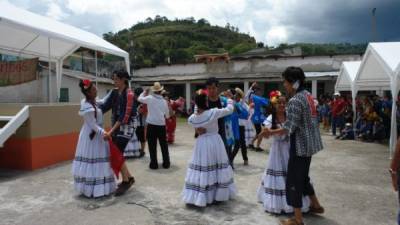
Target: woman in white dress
{"x": 250, "y": 132}
{"x": 272, "y": 191}
{"x": 209, "y": 177}
{"x": 91, "y": 169}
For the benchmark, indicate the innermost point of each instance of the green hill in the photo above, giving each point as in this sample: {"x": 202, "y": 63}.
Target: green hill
{"x": 152, "y": 42}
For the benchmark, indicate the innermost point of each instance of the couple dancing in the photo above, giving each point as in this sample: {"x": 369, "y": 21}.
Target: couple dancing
{"x": 285, "y": 185}
{"x": 93, "y": 176}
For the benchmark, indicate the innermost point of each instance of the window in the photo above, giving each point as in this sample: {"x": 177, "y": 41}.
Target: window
{"x": 64, "y": 95}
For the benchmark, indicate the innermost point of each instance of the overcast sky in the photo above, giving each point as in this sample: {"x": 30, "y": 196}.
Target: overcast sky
{"x": 269, "y": 21}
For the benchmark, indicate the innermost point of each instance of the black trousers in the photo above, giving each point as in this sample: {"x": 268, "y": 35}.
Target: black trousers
{"x": 241, "y": 143}
{"x": 258, "y": 128}
{"x": 297, "y": 180}
{"x": 155, "y": 133}
{"x": 120, "y": 142}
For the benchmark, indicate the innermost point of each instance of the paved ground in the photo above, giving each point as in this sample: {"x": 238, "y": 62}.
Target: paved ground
{"x": 351, "y": 180}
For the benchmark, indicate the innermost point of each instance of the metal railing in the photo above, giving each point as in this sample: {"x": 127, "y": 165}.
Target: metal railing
{"x": 14, "y": 122}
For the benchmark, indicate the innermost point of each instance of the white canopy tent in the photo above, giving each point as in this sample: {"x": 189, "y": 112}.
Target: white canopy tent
{"x": 345, "y": 81}
{"x": 26, "y": 34}
{"x": 380, "y": 68}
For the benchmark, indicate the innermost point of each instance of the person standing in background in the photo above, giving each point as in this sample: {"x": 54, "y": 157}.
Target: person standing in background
{"x": 158, "y": 111}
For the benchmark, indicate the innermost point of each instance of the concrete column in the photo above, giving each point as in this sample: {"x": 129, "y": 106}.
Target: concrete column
{"x": 188, "y": 96}
{"x": 314, "y": 88}
{"x": 245, "y": 86}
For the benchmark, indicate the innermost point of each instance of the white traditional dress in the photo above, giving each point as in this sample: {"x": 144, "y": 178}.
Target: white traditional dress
{"x": 272, "y": 191}
{"x": 209, "y": 177}
{"x": 93, "y": 176}
{"x": 133, "y": 147}
{"x": 249, "y": 133}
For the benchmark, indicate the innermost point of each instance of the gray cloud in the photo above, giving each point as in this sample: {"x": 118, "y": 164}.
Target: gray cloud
{"x": 270, "y": 21}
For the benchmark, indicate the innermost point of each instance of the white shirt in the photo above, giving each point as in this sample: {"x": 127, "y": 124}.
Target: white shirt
{"x": 157, "y": 108}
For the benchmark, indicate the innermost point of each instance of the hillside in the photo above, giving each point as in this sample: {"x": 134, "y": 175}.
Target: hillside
{"x": 160, "y": 41}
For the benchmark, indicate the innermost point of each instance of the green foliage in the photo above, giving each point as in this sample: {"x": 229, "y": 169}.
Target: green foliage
{"x": 151, "y": 42}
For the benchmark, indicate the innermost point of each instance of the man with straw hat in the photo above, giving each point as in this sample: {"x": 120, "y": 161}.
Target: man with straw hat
{"x": 158, "y": 111}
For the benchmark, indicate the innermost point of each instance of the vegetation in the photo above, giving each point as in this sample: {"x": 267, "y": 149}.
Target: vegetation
{"x": 162, "y": 41}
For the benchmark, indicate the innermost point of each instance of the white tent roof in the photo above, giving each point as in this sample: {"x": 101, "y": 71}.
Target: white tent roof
{"x": 380, "y": 67}
{"x": 380, "y": 62}
{"x": 347, "y": 75}
{"x": 26, "y": 33}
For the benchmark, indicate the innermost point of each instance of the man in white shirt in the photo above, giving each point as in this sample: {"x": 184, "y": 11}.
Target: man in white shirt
{"x": 158, "y": 111}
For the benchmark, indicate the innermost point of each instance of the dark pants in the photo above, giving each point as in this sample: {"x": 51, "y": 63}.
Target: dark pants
{"x": 120, "y": 142}
{"x": 297, "y": 180}
{"x": 241, "y": 143}
{"x": 258, "y": 128}
{"x": 337, "y": 122}
{"x": 155, "y": 133}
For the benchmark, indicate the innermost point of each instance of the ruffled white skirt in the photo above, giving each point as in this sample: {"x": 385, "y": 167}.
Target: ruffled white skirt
{"x": 209, "y": 177}
{"x": 93, "y": 176}
{"x": 133, "y": 147}
{"x": 272, "y": 191}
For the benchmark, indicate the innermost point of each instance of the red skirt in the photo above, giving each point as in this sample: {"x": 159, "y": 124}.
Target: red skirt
{"x": 171, "y": 127}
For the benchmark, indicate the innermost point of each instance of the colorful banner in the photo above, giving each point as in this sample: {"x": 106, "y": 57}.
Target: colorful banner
{"x": 18, "y": 72}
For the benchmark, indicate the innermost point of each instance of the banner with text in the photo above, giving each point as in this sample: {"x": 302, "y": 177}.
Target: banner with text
{"x": 18, "y": 72}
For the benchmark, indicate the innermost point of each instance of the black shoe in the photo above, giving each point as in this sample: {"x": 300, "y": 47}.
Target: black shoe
{"x": 153, "y": 166}
{"x": 258, "y": 149}
{"x": 125, "y": 185}
{"x": 142, "y": 154}
{"x": 131, "y": 180}
{"x": 251, "y": 147}
{"x": 166, "y": 165}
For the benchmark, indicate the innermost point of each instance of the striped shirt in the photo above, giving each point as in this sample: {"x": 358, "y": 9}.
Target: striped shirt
{"x": 302, "y": 121}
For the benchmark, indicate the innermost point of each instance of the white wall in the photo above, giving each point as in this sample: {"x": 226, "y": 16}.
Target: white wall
{"x": 309, "y": 64}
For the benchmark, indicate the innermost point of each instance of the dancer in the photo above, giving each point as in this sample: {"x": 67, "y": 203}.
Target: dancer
{"x": 209, "y": 176}
{"x": 174, "y": 107}
{"x": 250, "y": 133}
{"x": 141, "y": 123}
{"x": 158, "y": 111}
{"x": 134, "y": 148}
{"x": 239, "y": 120}
{"x": 273, "y": 183}
{"x": 302, "y": 126}
{"x": 258, "y": 115}
{"x": 121, "y": 101}
{"x": 93, "y": 176}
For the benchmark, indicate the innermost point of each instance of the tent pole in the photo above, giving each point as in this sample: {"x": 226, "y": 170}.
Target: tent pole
{"x": 59, "y": 77}
{"x": 353, "y": 96}
{"x": 393, "y": 128}
{"x": 49, "y": 76}
{"x": 95, "y": 64}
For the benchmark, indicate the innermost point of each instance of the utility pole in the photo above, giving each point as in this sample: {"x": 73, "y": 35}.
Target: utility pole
{"x": 374, "y": 35}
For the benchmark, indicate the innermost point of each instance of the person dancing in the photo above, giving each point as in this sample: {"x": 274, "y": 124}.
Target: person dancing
{"x": 209, "y": 176}
{"x": 91, "y": 169}
{"x": 271, "y": 192}
{"x": 121, "y": 102}
{"x": 302, "y": 126}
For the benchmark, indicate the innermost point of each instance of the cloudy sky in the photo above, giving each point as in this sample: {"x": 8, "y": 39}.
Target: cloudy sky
{"x": 269, "y": 21}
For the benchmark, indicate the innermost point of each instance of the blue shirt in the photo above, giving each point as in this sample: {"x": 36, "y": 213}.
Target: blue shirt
{"x": 259, "y": 102}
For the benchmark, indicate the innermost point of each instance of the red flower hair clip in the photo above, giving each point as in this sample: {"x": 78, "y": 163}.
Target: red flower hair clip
{"x": 86, "y": 83}
{"x": 274, "y": 95}
{"x": 202, "y": 92}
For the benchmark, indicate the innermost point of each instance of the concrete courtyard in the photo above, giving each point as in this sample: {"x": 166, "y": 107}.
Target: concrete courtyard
{"x": 350, "y": 178}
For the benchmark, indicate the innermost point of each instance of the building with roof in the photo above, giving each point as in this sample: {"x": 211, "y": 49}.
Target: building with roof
{"x": 240, "y": 71}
